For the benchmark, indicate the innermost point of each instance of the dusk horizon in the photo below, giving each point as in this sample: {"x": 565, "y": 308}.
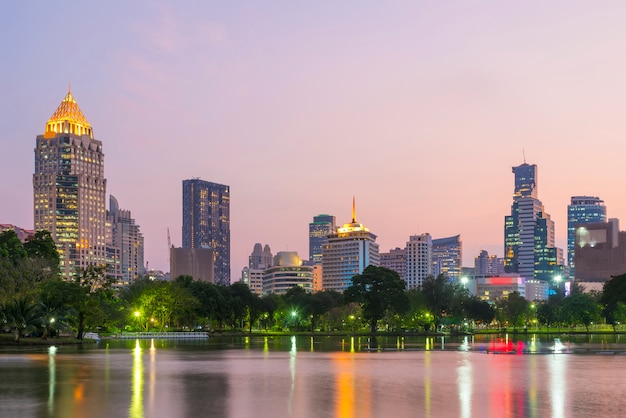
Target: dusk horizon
{"x": 419, "y": 112}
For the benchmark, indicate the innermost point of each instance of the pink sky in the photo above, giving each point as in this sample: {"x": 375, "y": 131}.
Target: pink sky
{"x": 418, "y": 109}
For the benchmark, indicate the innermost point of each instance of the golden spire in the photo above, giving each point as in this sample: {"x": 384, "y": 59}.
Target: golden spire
{"x": 68, "y": 118}
{"x": 353, "y": 210}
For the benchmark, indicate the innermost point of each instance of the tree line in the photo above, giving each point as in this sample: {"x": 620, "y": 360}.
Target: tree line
{"x": 34, "y": 300}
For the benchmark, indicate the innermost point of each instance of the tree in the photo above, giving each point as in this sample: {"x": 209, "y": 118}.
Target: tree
{"x": 439, "y": 295}
{"x": 613, "y": 299}
{"x": 581, "y": 308}
{"x": 377, "y": 290}
{"x": 514, "y": 309}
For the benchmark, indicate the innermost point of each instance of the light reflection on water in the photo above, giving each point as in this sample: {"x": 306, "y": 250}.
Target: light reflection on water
{"x": 312, "y": 377}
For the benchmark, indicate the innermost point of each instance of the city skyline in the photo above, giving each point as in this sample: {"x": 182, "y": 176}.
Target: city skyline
{"x": 419, "y": 111}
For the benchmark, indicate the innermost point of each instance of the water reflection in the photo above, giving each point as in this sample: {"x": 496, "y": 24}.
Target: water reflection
{"x": 136, "y": 404}
{"x": 283, "y": 378}
{"x": 52, "y": 350}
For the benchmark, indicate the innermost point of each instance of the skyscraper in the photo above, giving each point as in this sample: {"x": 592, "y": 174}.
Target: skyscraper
{"x": 124, "y": 240}
{"x": 448, "y": 256}
{"x": 319, "y": 229}
{"x": 529, "y": 244}
{"x": 69, "y": 188}
{"x": 582, "y": 210}
{"x": 395, "y": 260}
{"x": 206, "y": 223}
{"x": 349, "y": 250}
{"x": 419, "y": 260}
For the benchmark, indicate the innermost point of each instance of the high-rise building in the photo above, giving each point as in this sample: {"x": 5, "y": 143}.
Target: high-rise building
{"x": 419, "y": 260}
{"x": 261, "y": 257}
{"x": 447, "y": 256}
{"x": 582, "y": 210}
{"x": 529, "y": 244}
{"x": 488, "y": 265}
{"x": 349, "y": 250}
{"x": 287, "y": 271}
{"x": 124, "y": 240}
{"x": 206, "y": 223}
{"x": 395, "y": 260}
{"x": 69, "y": 188}
{"x": 319, "y": 230}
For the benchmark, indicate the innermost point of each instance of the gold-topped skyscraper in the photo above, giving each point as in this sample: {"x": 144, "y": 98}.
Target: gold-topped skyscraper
{"x": 69, "y": 188}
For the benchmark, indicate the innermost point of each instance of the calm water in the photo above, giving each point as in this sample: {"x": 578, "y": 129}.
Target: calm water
{"x": 315, "y": 377}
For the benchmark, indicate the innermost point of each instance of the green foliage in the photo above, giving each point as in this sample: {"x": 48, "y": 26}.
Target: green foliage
{"x": 514, "y": 309}
{"x": 377, "y": 290}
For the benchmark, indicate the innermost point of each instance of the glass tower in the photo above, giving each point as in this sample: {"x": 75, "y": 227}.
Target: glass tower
{"x": 319, "y": 229}
{"x": 581, "y": 211}
{"x": 206, "y": 223}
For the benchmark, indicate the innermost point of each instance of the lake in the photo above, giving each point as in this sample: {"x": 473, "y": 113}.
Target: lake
{"x": 276, "y": 377}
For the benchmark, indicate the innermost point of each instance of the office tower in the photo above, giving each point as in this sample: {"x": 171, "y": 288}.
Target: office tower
{"x": 124, "y": 240}
{"x": 582, "y": 210}
{"x": 447, "y": 256}
{"x": 206, "y": 223}
{"x": 287, "y": 271}
{"x": 600, "y": 253}
{"x": 419, "y": 260}
{"x": 319, "y": 229}
{"x": 529, "y": 245}
{"x": 395, "y": 260}
{"x": 488, "y": 265}
{"x": 349, "y": 250}
{"x": 69, "y": 188}
{"x": 261, "y": 257}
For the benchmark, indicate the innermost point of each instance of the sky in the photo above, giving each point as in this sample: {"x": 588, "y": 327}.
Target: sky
{"x": 418, "y": 109}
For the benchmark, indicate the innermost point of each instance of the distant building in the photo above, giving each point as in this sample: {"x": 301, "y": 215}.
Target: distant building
{"x": 22, "y": 234}
{"x": 260, "y": 259}
{"x": 600, "y": 252}
{"x": 419, "y": 260}
{"x": 286, "y": 273}
{"x": 194, "y": 262}
{"x": 488, "y": 265}
{"x": 529, "y": 244}
{"x": 492, "y": 289}
{"x": 319, "y": 230}
{"x": 581, "y": 211}
{"x": 125, "y": 251}
{"x": 349, "y": 250}
{"x": 206, "y": 223}
{"x": 69, "y": 188}
{"x": 447, "y": 256}
{"x": 395, "y": 260}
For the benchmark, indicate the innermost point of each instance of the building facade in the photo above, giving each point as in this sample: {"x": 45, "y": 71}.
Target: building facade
{"x": 582, "y": 210}
{"x": 395, "y": 260}
{"x": 419, "y": 260}
{"x": 194, "y": 262}
{"x": 600, "y": 252}
{"x": 206, "y": 223}
{"x": 447, "y": 256}
{"x": 488, "y": 265}
{"x": 287, "y": 271}
{"x": 349, "y": 250}
{"x": 319, "y": 229}
{"x": 125, "y": 250}
{"x": 69, "y": 188}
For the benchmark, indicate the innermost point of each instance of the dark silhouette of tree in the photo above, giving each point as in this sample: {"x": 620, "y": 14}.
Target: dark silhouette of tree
{"x": 377, "y": 290}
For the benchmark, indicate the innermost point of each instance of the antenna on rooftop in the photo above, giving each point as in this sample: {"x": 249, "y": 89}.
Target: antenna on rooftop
{"x": 524, "y": 154}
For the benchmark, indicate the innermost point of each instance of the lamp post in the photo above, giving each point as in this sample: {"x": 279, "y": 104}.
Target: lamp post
{"x": 557, "y": 283}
